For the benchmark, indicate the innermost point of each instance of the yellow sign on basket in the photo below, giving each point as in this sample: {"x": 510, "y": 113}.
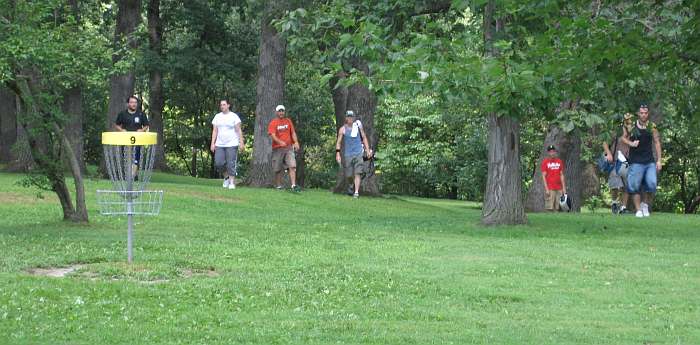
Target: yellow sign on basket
{"x": 129, "y": 138}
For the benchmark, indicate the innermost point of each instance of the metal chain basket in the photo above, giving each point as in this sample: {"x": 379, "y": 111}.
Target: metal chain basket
{"x": 129, "y": 158}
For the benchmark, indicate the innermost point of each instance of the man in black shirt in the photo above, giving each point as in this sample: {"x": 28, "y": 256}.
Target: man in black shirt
{"x": 132, "y": 120}
{"x": 644, "y": 159}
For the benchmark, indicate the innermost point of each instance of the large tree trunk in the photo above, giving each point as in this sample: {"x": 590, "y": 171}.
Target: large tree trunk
{"x": 340, "y": 105}
{"x": 270, "y": 92}
{"x": 73, "y": 109}
{"x": 121, "y": 85}
{"x": 503, "y": 196}
{"x": 569, "y": 148}
{"x": 8, "y": 125}
{"x": 503, "y": 201}
{"x": 155, "y": 81}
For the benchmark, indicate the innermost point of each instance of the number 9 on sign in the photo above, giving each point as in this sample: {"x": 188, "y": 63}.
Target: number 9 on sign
{"x": 133, "y": 140}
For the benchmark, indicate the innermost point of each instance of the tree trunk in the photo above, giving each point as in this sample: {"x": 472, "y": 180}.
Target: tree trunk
{"x": 590, "y": 184}
{"x": 8, "y": 125}
{"x": 21, "y": 154}
{"x": 569, "y": 148}
{"x": 340, "y": 105}
{"x": 80, "y": 214}
{"x": 503, "y": 201}
{"x": 503, "y": 196}
{"x": 121, "y": 85}
{"x": 193, "y": 159}
{"x": 73, "y": 110}
{"x": 270, "y": 92}
{"x": 49, "y": 144}
{"x": 155, "y": 82}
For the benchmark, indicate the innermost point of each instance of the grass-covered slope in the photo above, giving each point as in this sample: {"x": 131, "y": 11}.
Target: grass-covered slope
{"x": 268, "y": 267}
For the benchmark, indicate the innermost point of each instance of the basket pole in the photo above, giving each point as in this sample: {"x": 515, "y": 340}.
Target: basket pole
{"x": 129, "y": 206}
{"x": 130, "y": 237}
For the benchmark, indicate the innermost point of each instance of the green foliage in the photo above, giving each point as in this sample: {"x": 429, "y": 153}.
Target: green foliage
{"x": 428, "y": 150}
{"x": 680, "y": 177}
{"x": 594, "y": 203}
{"x": 210, "y": 54}
{"x": 45, "y": 51}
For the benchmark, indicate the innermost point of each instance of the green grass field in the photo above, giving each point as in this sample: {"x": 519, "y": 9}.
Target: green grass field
{"x": 254, "y": 266}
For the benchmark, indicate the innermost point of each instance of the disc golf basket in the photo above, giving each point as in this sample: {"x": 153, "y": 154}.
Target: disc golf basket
{"x": 129, "y": 158}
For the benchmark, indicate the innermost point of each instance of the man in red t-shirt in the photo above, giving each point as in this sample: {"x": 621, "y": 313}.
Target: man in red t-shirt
{"x": 284, "y": 143}
{"x": 553, "y": 177}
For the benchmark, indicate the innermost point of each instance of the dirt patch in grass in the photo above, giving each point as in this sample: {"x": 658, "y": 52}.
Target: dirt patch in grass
{"x": 55, "y": 272}
{"x": 19, "y": 198}
{"x": 137, "y": 273}
{"x": 189, "y": 273}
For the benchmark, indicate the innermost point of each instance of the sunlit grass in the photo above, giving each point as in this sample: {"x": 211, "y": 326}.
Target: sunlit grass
{"x": 269, "y": 267}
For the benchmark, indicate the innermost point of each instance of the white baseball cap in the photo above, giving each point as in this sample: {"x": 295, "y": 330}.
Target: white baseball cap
{"x": 279, "y": 107}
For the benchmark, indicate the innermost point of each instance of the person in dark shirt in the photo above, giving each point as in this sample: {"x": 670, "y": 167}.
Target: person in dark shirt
{"x": 132, "y": 120}
{"x": 645, "y": 161}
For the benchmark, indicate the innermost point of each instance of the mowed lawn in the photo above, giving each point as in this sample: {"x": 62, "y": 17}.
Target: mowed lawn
{"x": 258, "y": 266}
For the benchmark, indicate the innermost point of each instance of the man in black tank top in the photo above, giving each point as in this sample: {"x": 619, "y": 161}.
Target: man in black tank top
{"x": 644, "y": 159}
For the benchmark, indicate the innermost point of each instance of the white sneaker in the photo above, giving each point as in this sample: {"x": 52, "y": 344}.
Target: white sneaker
{"x": 232, "y": 185}
{"x": 226, "y": 182}
{"x": 645, "y": 209}
{"x": 639, "y": 214}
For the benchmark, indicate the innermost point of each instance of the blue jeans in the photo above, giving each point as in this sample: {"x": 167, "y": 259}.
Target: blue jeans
{"x": 641, "y": 175}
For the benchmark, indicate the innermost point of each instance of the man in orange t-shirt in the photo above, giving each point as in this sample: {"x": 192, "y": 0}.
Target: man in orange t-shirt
{"x": 284, "y": 143}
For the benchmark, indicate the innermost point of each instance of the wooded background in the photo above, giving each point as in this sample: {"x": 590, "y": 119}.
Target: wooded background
{"x": 459, "y": 98}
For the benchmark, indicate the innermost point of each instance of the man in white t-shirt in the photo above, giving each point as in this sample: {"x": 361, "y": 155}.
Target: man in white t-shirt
{"x": 226, "y": 140}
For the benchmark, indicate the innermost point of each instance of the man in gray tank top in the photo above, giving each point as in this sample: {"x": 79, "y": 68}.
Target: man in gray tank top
{"x": 352, "y": 136}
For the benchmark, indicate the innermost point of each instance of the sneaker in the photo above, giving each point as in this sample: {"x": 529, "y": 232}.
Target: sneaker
{"x": 226, "y": 182}
{"x": 296, "y": 188}
{"x": 623, "y": 210}
{"x": 645, "y": 209}
{"x": 351, "y": 190}
{"x": 278, "y": 187}
{"x": 232, "y": 185}
{"x": 615, "y": 208}
{"x": 639, "y": 214}
{"x": 356, "y": 195}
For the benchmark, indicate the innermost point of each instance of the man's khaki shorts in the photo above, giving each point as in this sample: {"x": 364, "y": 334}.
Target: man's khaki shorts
{"x": 283, "y": 158}
{"x": 551, "y": 200}
{"x": 353, "y": 165}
